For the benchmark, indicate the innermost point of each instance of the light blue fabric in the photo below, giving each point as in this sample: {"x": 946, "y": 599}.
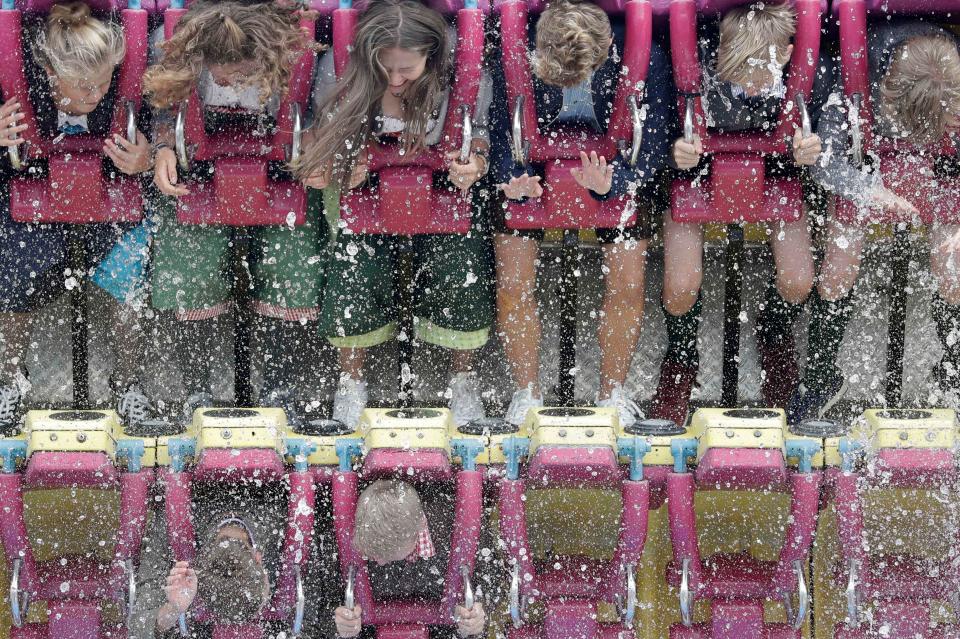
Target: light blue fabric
{"x": 578, "y": 105}
{"x": 123, "y": 272}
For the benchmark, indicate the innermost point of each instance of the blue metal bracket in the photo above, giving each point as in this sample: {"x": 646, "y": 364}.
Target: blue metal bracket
{"x": 635, "y": 448}
{"x": 132, "y": 451}
{"x": 346, "y": 4}
{"x": 681, "y": 449}
{"x": 804, "y": 449}
{"x": 467, "y": 450}
{"x": 469, "y": 4}
{"x": 179, "y": 449}
{"x": 133, "y": 4}
{"x": 346, "y": 449}
{"x": 8, "y": 5}
{"x": 513, "y": 449}
{"x": 10, "y": 451}
{"x": 300, "y": 449}
{"x": 850, "y": 449}
{"x": 176, "y": 4}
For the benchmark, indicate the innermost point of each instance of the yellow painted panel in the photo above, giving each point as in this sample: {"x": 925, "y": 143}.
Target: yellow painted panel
{"x": 406, "y": 429}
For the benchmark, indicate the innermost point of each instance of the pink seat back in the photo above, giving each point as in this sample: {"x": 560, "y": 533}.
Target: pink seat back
{"x": 44, "y": 6}
{"x": 721, "y": 6}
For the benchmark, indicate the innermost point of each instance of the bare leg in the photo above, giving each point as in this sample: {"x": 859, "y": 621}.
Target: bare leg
{"x": 793, "y": 259}
{"x": 841, "y": 260}
{"x": 622, "y": 310}
{"x": 945, "y": 262}
{"x": 517, "y": 312}
{"x": 15, "y": 331}
{"x": 682, "y": 265}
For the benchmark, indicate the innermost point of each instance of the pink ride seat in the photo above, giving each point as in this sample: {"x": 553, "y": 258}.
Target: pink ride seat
{"x": 65, "y": 470}
{"x": 574, "y": 467}
{"x": 224, "y": 464}
{"x": 742, "y": 469}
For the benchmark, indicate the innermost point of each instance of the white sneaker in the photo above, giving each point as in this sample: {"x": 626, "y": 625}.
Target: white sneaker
{"x": 133, "y": 406}
{"x": 350, "y": 400}
{"x": 627, "y": 409}
{"x": 465, "y": 403}
{"x": 520, "y": 405}
{"x": 11, "y": 397}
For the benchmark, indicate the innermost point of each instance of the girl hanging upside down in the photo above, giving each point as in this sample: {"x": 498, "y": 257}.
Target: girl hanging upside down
{"x": 395, "y": 90}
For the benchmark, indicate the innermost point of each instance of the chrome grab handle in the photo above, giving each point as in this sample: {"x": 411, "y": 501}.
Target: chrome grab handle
{"x": 180, "y": 139}
{"x": 515, "y": 596}
{"x": 856, "y": 133}
{"x": 468, "y": 600}
{"x": 517, "y": 146}
{"x": 796, "y": 622}
{"x": 637, "y": 113}
{"x": 182, "y": 625}
{"x": 19, "y": 601}
{"x": 467, "y": 133}
{"x": 131, "y": 123}
{"x": 301, "y": 604}
{"x": 853, "y": 617}
{"x": 630, "y": 606}
{"x": 686, "y": 598}
{"x": 131, "y": 588}
{"x": 806, "y": 127}
{"x": 16, "y": 160}
{"x": 688, "y": 122}
{"x": 296, "y": 144}
{"x": 348, "y": 600}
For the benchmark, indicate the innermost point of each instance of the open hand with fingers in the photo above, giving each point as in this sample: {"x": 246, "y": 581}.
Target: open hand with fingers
{"x": 10, "y": 127}
{"x": 594, "y": 174}
{"x": 522, "y": 186}
{"x": 129, "y": 158}
{"x": 181, "y": 587}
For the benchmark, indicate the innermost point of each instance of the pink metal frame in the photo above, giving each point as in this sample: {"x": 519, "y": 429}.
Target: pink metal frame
{"x": 738, "y": 585}
{"x": 571, "y": 599}
{"x": 399, "y": 619}
{"x": 241, "y": 193}
{"x": 298, "y": 534}
{"x": 406, "y": 202}
{"x": 73, "y": 611}
{"x": 737, "y": 170}
{"x": 75, "y": 190}
{"x": 904, "y": 171}
{"x": 566, "y": 204}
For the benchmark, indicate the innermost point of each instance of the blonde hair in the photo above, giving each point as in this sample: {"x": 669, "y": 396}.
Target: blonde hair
{"x": 573, "y": 40}
{"x": 921, "y": 88}
{"x": 211, "y": 32}
{"x": 753, "y": 37}
{"x": 389, "y": 517}
{"x": 75, "y": 44}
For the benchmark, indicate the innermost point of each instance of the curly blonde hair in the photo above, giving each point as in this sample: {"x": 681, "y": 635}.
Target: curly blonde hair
{"x": 389, "y": 517}
{"x": 573, "y": 40}
{"x": 212, "y": 32}
{"x": 921, "y": 88}
{"x": 752, "y": 38}
{"x": 74, "y": 44}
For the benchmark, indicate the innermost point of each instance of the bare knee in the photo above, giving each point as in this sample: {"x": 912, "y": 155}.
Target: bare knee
{"x": 795, "y": 287}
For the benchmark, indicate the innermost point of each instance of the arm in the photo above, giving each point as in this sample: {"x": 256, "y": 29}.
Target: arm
{"x": 155, "y": 560}
{"x": 658, "y": 130}
{"x": 833, "y": 171}
{"x": 502, "y": 165}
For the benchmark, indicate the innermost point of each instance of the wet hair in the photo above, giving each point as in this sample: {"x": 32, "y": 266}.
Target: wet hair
{"x": 921, "y": 88}
{"x": 211, "y": 32}
{"x": 573, "y": 40}
{"x": 74, "y": 44}
{"x": 230, "y": 581}
{"x": 345, "y": 119}
{"x": 753, "y": 37}
{"x": 389, "y": 517}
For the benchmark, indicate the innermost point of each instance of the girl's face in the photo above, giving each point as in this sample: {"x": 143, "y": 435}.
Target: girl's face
{"x": 233, "y": 74}
{"x": 80, "y": 96}
{"x": 403, "y": 67}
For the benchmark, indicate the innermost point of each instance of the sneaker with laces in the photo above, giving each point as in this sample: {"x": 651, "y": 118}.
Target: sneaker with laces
{"x": 465, "y": 402}
{"x": 11, "y": 396}
{"x": 520, "y": 405}
{"x": 809, "y": 403}
{"x": 627, "y": 409}
{"x": 779, "y": 371}
{"x": 350, "y": 400}
{"x": 197, "y": 400}
{"x": 284, "y": 398}
{"x": 133, "y": 406}
{"x": 672, "y": 399}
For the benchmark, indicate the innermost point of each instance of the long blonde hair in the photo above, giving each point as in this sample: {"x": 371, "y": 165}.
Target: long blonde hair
{"x": 345, "y": 118}
{"x": 229, "y": 32}
{"x": 74, "y": 44}
{"x": 922, "y": 87}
